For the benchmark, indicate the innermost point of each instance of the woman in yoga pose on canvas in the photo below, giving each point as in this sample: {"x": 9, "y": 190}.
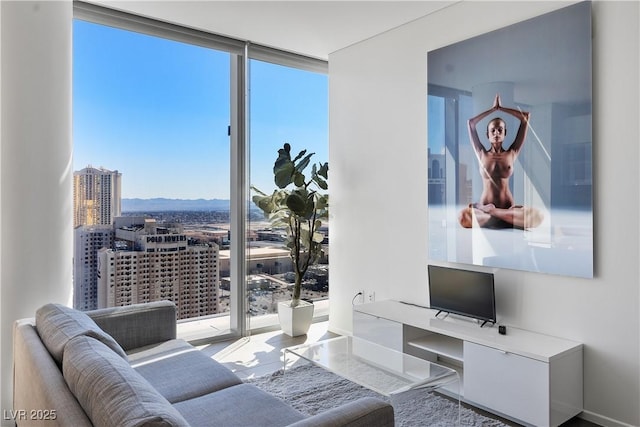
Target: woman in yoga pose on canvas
{"x": 497, "y": 208}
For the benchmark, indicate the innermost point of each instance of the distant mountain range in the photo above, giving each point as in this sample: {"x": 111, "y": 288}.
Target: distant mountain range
{"x": 164, "y": 205}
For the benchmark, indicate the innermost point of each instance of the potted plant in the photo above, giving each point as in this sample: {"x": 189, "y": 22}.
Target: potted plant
{"x": 298, "y": 207}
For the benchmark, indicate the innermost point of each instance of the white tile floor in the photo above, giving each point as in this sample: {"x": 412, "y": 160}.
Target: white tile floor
{"x": 261, "y": 354}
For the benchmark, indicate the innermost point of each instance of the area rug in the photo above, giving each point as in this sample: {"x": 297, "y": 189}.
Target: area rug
{"x": 311, "y": 389}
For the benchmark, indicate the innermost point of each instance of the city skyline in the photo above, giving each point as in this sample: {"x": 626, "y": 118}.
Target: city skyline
{"x": 158, "y": 112}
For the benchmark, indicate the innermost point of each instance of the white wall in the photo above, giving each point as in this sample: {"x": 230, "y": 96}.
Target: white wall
{"x": 378, "y": 160}
{"x": 35, "y": 169}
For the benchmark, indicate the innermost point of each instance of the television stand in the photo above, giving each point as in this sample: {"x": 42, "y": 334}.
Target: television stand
{"x": 530, "y": 378}
{"x": 447, "y": 313}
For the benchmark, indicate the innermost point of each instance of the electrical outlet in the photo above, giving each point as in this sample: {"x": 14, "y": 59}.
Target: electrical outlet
{"x": 371, "y": 296}
{"x": 361, "y": 297}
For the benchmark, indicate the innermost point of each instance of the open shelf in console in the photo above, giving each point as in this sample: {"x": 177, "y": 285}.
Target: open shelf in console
{"x": 440, "y": 345}
{"x": 438, "y": 348}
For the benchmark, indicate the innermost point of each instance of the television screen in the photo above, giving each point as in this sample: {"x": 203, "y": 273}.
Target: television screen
{"x": 464, "y": 292}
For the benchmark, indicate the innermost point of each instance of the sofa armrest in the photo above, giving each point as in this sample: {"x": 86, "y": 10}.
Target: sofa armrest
{"x": 138, "y": 325}
{"x": 365, "y": 412}
{"x": 38, "y": 385}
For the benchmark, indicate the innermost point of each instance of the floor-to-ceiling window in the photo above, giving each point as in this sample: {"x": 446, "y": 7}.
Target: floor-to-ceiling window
{"x": 161, "y": 159}
{"x": 287, "y": 105}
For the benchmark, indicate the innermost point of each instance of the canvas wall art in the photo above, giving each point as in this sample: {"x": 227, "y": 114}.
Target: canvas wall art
{"x": 510, "y": 147}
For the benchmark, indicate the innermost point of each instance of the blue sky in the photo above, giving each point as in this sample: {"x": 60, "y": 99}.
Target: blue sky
{"x": 158, "y": 110}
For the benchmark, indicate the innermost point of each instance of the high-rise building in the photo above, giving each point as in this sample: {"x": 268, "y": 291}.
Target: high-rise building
{"x": 96, "y": 196}
{"x": 88, "y": 240}
{"x": 157, "y": 263}
{"x": 96, "y": 202}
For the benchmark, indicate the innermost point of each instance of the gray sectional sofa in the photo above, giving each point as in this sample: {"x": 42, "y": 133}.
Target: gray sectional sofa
{"x": 124, "y": 367}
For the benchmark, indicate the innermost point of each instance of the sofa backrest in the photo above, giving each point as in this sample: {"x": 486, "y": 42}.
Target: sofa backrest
{"x": 130, "y": 325}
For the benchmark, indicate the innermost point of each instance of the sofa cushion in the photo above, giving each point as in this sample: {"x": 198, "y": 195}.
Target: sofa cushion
{"x": 238, "y": 406}
{"x": 57, "y": 324}
{"x": 110, "y": 391}
{"x": 179, "y": 371}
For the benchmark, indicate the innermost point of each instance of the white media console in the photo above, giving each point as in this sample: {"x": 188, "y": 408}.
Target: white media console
{"x": 530, "y": 378}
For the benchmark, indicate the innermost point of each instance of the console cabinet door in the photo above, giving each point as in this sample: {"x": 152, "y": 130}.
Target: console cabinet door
{"x": 378, "y": 330}
{"x": 507, "y": 383}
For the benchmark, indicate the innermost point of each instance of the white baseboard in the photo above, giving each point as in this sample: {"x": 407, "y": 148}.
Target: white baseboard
{"x": 602, "y": 420}
{"x": 339, "y": 331}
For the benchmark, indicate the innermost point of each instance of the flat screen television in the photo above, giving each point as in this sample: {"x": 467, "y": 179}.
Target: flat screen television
{"x": 463, "y": 292}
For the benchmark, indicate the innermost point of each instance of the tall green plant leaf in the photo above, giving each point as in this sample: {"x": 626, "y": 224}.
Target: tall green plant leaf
{"x": 302, "y": 165}
{"x": 297, "y": 204}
